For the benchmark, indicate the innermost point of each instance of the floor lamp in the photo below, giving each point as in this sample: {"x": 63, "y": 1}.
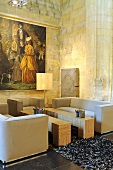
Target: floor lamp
{"x": 44, "y": 81}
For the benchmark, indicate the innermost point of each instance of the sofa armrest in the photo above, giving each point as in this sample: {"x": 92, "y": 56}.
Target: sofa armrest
{"x": 14, "y": 106}
{"x": 36, "y": 101}
{"x": 104, "y": 118}
{"x": 61, "y": 102}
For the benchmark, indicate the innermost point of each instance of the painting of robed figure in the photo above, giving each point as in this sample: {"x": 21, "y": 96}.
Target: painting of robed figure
{"x": 22, "y": 54}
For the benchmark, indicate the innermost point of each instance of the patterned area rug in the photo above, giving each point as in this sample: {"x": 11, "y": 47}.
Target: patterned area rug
{"x": 92, "y": 154}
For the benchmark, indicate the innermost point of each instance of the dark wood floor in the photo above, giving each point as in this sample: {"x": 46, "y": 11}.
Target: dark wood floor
{"x": 47, "y": 161}
{"x": 108, "y": 136}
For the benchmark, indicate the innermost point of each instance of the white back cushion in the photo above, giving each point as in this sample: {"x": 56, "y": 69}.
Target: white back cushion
{"x": 86, "y": 104}
{"x": 25, "y": 100}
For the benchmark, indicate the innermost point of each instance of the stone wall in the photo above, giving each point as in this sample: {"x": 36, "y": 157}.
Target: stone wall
{"x": 84, "y": 41}
{"x": 99, "y": 48}
{"x": 44, "y": 13}
{"x": 73, "y": 38}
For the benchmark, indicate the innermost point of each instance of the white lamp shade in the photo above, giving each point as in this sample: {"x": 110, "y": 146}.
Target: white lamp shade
{"x": 44, "y": 81}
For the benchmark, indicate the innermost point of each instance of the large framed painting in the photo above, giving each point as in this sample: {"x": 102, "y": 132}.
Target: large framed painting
{"x": 22, "y": 54}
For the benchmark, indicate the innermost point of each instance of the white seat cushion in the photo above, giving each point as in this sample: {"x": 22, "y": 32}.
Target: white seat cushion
{"x": 2, "y": 117}
{"x": 88, "y": 113}
{"x": 25, "y": 117}
{"x": 67, "y": 109}
{"x": 28, "y": 108}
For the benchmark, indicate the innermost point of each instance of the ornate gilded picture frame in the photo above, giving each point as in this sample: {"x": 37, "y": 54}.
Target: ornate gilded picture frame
{"x": 22, "y": 54}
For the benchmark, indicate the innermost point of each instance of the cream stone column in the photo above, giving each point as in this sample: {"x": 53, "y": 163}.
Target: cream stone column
{"x": 99, "y": 48}
{"x": 90, "y": 67}
{"x": 103, "y": 48}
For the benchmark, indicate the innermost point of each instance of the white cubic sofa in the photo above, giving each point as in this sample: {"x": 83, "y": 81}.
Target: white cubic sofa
{"x": 22, "y": 136}
{"x": 101, "y": 111}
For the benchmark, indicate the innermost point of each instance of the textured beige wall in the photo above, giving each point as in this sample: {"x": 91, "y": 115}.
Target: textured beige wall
{"x": 73, "y": 38}
{"x": 84, "y": 41}
{"x": 45, "y": 13}
{"x": 99, "y": 49}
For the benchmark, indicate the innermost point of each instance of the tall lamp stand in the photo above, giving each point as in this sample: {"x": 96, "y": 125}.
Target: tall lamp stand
{"x": 44, "y": 81}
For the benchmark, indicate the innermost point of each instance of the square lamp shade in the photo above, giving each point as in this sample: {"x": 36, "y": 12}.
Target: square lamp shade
{"x": 44, "y": 81}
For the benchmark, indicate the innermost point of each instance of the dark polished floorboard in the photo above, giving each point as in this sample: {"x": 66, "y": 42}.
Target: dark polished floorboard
{"x": 47, "y": 161}
{"x": 108, "y": 136}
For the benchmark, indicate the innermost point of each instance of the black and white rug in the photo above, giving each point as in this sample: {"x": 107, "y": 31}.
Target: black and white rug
{"x": 92, "y": 154}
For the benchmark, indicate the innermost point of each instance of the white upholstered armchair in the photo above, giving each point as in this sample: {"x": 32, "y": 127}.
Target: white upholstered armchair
{"x": 17, "y": 104}
{"x": 19, "y": 140}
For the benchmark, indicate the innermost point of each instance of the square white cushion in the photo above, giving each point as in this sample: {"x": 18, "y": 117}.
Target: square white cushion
{"x": 25, "y": 101}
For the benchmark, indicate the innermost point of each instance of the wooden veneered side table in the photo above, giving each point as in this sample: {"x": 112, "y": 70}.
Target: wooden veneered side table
{"x": 61, "y": 131}
{"x": 85, "y": 125}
